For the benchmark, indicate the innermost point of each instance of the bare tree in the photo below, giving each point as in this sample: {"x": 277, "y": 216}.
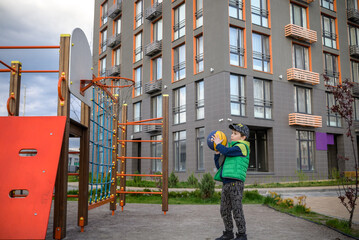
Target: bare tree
{"x": 347, "y": 193}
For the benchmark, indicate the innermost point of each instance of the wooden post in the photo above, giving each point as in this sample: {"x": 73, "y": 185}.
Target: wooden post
{"x": 82, "y": 215}
{"x": 114, "y": 157}
{"x": 14, "y": 91}
{"x": 123, "y": 154}
{"x": 63, "y": 109}
{"x": 165, "y": 153}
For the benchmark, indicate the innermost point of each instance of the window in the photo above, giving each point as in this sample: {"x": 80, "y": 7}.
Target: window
{"x": 355, "y": 71}
{"x": 200, "y": 150}
{"x": 302, "y": 100}
{"x": 104, "y": 12}
{"x": 179, "y": 109}
{"x": 179, "y": 22}
{"x": 179, "y": 141}
{"x": 200, "y": 100}
{"x": 157, "y": 68}
{"x": 261, "y": 55}
{"x": 199, "y": 13}
{"x": 139, "y": 13}
{"x": 238, "y": 99}
{"x": 352, "y": 4}
{"x": 118, "y": 26}
{"x": 156, "y": 106}
{"x": 305, "y": 150}
{"x": 179, "y": 68}
{"x": 117, "y": 56}
{"x": 236, "y": 9}
{"x": 259, "y": 152}
{"x": 103, "y": 67}
{"x": 333, "y": 119}
{"x": 156, "y": 151}
{"x": 138, "y": 81}
{"x": 137, "y": 116}
{"x": 329, "y": 4}
{"x": 260, "y": 12}
{"x": 103, "y": 41}
{"x": 330, "y": 68}
{"x": 157, "y": 31}
{"x": 298, "y": 15}
{"x": 199, "y": 54}
{"x": 353, "y": 36}
{"x": 236, "y": 46}
{"x": 300, "y": 57}
{"x": 262, "y": 99}
{"x": 138, "y": 47}
{"x": 329, "y": 34}
{"x": 356, "y": 109}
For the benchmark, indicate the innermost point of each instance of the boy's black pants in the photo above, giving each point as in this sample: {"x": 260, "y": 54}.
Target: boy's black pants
{"x": 231, "y": 201}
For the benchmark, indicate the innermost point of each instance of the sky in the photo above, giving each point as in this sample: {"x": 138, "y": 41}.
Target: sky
{"x": 33, "y": 23}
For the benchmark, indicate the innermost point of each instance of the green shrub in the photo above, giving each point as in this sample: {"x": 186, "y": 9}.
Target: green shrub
{"x": 137, "y": 179}
{"x": 172, "y": 180}
{"x": 252, "y": 195}
{"x": 206, "y": 186}
{"x": 192, "y": 180}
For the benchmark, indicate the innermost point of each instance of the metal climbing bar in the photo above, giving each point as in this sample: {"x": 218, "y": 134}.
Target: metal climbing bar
{"x": 28, "y": 47}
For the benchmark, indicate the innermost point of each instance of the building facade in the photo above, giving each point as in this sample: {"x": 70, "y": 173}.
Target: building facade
{"x": 256, "y": 62}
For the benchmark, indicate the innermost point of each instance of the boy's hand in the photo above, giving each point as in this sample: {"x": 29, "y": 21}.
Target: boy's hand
{"x": 216, "y": 139}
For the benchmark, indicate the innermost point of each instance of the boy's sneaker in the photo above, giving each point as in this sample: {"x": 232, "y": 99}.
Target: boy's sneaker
{"x": 241, "y": 236}
{"x": 227, "y": 235}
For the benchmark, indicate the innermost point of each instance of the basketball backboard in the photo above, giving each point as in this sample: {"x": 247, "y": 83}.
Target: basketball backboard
{"x": 80, "y": 65}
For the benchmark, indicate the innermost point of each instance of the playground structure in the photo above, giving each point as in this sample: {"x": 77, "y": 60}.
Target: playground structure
{"x": 102, "y": 141}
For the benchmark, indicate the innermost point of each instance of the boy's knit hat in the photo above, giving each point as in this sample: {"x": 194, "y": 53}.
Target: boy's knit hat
{"x": 243, "y": 129}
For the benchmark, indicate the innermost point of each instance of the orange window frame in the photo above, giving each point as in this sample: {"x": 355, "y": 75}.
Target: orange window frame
{"x": 172, "y": 60}
{"x": 134, "y": 78}
{"x": 244, "y": 45}
{"x": 151, "y": 68}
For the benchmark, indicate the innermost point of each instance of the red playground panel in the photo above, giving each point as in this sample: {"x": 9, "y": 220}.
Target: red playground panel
{"x": 29, "y": 156}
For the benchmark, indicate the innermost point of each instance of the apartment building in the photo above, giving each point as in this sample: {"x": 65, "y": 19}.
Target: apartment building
{"x": 256, "y": 62}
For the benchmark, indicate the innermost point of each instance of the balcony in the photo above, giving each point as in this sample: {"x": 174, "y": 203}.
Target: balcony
{"x": 115, "y": 9}
{"x": 153, "y": 48}
{"x": 305, "y": 120}
{"x": 353, "y": 15}
{"x": 355, "y": 89}
{"x": 154, "y": 11}
{"x": 152, "y": 128}
{"x": 114, "y": 70}
{"x": 153, "y": 87}
{"x": 114, "y": 41}
{"x": 304, "y": 76}
{"x": 354, "y": 51}
{"x": 300, "y": 33}
{"x": 306, "y": 1}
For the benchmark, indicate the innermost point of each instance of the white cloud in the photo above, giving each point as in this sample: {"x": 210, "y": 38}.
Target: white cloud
{"x": 39, "y": 22}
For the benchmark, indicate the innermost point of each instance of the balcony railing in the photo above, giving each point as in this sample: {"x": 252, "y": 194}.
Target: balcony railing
{"x": 300, "y": 33}
{"x": 300, "y": 75}
{"x": 114, "y": 40}
{"x": 153, "y": 48}
{"x": 354, "y": 51}
{"x": 356, "y": 126}
{"x": 152, "y": 87}
{"x": 355, "y": 89}
{"x": 152, "y": 128}
{"x": 353, "y": 15}
{"x": 305, "y": 120}
{"x": 115, "y": 9}
{"x": 115, "y": 70}
{"x": 154, "y": 11}
{"x": 306, "y": 1}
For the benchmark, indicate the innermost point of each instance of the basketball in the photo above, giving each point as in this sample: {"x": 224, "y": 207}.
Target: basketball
{"x": 221, "y": 135}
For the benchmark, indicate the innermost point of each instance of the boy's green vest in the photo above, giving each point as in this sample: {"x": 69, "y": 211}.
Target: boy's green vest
{"x": 234, "y": 167}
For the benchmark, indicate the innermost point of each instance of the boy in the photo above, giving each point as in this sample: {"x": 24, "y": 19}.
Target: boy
{"x": 232, "y": 172}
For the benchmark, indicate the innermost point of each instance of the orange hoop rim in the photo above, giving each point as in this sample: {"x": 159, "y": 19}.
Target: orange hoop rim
{"x": 59, "y": 84}
{"x": 8, "y": 104}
